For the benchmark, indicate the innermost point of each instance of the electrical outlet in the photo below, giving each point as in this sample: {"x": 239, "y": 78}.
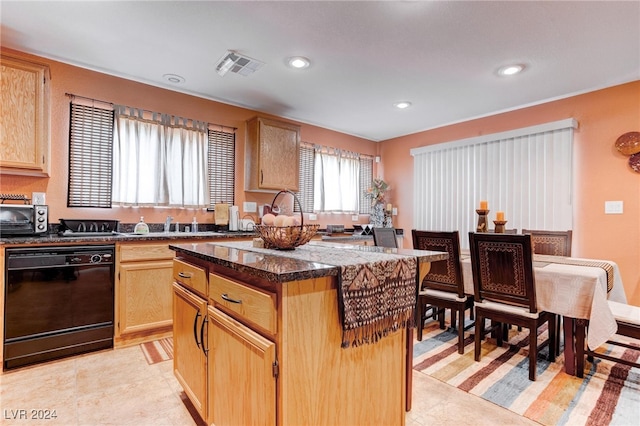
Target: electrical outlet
{"x": 613, "y": 207}
{"x": 313, "y": 216}
{"x": 38, "y": 198}
{"x": 394, "y": 212}
{"x": 354, "y": 218}
{"x": 249, "y": 206}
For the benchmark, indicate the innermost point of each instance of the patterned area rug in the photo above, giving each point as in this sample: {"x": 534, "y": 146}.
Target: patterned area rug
{"x": 158, "y": 350}
{"x": 608, "y": 394}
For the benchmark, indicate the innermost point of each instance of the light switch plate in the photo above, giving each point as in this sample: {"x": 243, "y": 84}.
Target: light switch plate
{"x": 38, "y": 198}
{"x": 354, "y": 218}
{"x": 249, "y": 206}
{"x": 613, "y": 207}
{"x": 313, "y": 216}
{"x": 394, "y": 212}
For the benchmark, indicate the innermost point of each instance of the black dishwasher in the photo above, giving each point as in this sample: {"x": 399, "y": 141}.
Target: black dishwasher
{"x": 58, "y": 302}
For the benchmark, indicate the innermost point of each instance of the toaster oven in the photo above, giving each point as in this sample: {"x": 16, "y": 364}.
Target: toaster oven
{"x": 23, "y": 219}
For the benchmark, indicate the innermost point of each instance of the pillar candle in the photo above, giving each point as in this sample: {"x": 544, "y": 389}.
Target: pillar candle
{"x": 484, "y": 205}
{"x": 500, "y": 216}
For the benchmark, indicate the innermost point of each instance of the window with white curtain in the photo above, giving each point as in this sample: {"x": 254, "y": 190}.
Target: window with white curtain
{"x": 336, "y": 181}
{"x": 142, "y": 158}
{"x": 526, "y": 173}
{"x": 312, "y": 181}
{"x": 159, "y": 161}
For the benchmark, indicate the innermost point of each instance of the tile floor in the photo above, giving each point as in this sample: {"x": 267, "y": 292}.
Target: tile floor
{"x": 118, "y": 387}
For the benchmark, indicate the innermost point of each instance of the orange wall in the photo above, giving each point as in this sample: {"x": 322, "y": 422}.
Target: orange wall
{"x": 83, "y": 82}
{"x": 601, "y": 172}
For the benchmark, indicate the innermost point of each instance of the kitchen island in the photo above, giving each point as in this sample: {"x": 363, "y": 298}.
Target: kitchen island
{"x": 272, "y": 349}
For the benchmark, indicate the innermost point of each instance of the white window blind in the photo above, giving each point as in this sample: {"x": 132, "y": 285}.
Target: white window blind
{"x": 527, "y": 173}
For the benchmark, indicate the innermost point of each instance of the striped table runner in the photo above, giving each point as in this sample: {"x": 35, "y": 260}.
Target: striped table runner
{"x": 608, "y": 267}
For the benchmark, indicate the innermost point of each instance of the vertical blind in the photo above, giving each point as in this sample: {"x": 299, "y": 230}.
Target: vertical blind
{"x": 527, "y": 173}
{"x": 90, "y": 156}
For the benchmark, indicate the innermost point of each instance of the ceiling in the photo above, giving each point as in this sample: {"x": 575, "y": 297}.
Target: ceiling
{"x": 440, "y": 55}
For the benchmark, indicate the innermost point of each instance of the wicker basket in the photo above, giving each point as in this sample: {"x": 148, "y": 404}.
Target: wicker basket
{"x": 286, "y": 237}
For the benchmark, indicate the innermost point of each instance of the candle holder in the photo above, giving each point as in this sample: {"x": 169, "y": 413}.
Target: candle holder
{"x": 499, "y": 226}
{"x": 482, "y": 220}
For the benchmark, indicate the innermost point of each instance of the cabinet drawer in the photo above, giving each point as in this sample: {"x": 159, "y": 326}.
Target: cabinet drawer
{"x": 251, "y": 305}
{"x": 131, "y": 252}
{"x": 191, "y": 276}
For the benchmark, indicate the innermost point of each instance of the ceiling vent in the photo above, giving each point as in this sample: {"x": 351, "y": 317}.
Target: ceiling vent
{"x": 234, "y": 62}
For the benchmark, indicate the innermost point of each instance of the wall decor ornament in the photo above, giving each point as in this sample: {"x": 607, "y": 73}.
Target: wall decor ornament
{"x": 634, "y": 162}
{"x": 629, "y": 144}
{"x": 377, "y": 195}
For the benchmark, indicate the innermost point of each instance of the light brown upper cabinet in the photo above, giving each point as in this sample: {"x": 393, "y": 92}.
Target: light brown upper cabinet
{"x": 272, "y": 155}
{"x": 24, "y": 117}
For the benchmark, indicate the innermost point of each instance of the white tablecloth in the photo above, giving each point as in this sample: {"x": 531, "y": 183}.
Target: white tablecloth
{"x": 572, "y": 291}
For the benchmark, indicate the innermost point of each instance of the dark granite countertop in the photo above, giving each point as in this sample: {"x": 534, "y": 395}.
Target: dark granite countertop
{"x": 280, "y": 266}
{"x": 123, "y": 237}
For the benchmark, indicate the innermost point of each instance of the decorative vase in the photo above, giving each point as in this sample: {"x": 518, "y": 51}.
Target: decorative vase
{"x": 377, "y": 215}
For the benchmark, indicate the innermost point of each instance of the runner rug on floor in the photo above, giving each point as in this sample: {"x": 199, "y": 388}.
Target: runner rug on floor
{"x": 158, "y": 350}
{"x": 609, "y": 393}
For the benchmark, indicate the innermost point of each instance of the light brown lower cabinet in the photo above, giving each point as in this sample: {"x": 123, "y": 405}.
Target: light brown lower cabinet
{"x": 189, "y": 352}
{"x": 143, "y": 292}
{"x": 241, "y": 373}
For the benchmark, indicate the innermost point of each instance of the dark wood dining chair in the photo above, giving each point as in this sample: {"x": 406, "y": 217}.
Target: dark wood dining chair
{"x": 504, "y": 291}
{"x": 443, "y": 287}
{"x": 628, "y": 320}
{"x": 554, "y": 243}
{"x": 385, "y": 237}
{"x": 507, "y": 231}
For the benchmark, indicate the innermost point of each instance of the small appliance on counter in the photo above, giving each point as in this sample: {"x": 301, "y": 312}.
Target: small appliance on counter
{"x": 247, "y": 225}
{"x": 22, "y": 219}
{"x": 335, "y": 229}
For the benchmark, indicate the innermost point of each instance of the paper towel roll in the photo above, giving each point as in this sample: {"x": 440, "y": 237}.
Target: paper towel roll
{"x": 234, "y": 218}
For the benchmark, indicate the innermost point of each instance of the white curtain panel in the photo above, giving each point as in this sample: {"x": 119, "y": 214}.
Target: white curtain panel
{"x": 159, "y": 161}
{"x": 526, "y": 173}
{"x": 336, "y": 181}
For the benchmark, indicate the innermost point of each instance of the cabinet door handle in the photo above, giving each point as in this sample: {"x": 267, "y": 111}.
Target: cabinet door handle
{"x": 228, "y": 299}
{"x": 195, "y": 328}
{"x": 261, "y": 177}
{"x": 185, "y": 275}
{"x": 204, "y": 350}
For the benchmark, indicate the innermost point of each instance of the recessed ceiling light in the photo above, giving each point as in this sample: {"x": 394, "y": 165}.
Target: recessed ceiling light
{"x": 511, "y": 69}
{"x": 402, "y": 104}
{"x": 298, "y": 62}
{"x": 173, "y": 78}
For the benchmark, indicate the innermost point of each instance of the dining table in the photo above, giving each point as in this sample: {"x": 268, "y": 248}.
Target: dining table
{"x": 575, "y": 288}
